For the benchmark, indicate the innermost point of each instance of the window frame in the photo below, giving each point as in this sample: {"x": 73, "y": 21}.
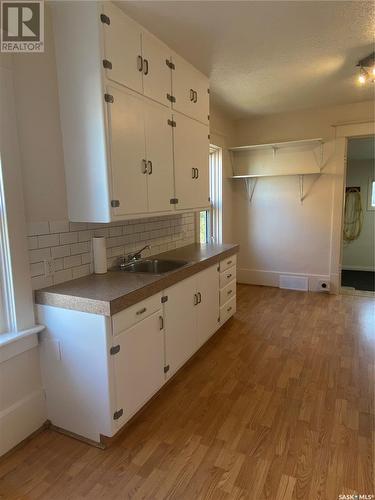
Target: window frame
{"x": 371, "y": 194}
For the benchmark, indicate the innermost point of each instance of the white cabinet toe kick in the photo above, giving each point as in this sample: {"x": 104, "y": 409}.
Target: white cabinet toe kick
{"x": 99, "y": 371}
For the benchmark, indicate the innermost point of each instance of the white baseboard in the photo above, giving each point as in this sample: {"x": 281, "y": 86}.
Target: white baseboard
{"x": 272, "y": 278}
{"x": 358, "y": 268}
{"x": 21, "y": 419}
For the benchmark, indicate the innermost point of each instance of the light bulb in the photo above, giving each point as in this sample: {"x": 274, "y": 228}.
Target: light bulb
{"x": 373, "y": 70}
{"x": 362, "y": 78}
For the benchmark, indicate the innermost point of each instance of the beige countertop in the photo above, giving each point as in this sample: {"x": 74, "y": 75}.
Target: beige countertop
{"x": 109, "y": 293}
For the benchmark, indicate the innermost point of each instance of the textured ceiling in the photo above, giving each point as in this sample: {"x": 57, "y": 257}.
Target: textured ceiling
{"x": 362, "y": 148}
{"x": 267, "y": 57}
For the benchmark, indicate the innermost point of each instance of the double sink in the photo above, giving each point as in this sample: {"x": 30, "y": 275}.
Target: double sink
{"x": 153, "y": 266}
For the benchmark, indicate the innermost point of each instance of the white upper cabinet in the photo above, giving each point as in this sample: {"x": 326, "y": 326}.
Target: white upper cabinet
{"x": 159, "y": 152}
{"x": 120, "y": 92}
{"x": 156, "y": 72}
{"x": 128, "y": 152}
{"x": 190, "y": 90}
{"x": 191, "y": 148}
{"x": 122, "y": 48}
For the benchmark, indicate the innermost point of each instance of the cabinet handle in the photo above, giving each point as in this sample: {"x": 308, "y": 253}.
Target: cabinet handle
{"x": 140, "y": 63}
{"x": 229, "y": 309}
{"x": 229, "y": 275}
{"x": 197, "y": 169}
{"x": 195, "y": 96}
{"x": 195, "y": 299}
{"x": 199, "y": 297}
{"x": 193, "y": 173}
{"x": 161, "y": 319}
{"x": 144, "y": 164}
{"x": 141, "y": 311}
{"x": 192, "y": 95}
{"x": 149, "y": 167}
{"x": 145, "y": 68}
{"x": 229, "y": 262}
{"x": 229, "y": 292}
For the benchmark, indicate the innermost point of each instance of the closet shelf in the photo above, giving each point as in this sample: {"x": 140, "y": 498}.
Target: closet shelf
{"x": 278, "y": 145}
{"x": 275, "y": 174}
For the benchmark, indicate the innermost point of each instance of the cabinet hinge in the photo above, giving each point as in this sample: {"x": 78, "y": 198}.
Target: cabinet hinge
{"x": 173, "y": 201}
{"x": 218, "y": 319}
{"x": 170, "y": 64}
{"x": 119, "y": 413}
{"x": 208, "y": 91}
{"x": 208, "y": 117}
{"x": 218, "y": 268}
{"x": 209, "y": 136}
{"x": 107, "y": 64}
{"x": 166, "y": 369}
{"x": 105, "y": 19}
{"x": 114, "y": 350}
{"x": 115, "y": 203}
{"x": 172, "y": 123}
{"x": 171, "y": 98}
{"x": 164, "y": 299}
{"x": 109, "y": 98}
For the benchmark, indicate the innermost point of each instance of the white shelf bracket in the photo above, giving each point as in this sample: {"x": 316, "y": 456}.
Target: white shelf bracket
{"x": 301, "y": 194}
{"x": 274, "y": 151}
{"x": 250, "y": 184}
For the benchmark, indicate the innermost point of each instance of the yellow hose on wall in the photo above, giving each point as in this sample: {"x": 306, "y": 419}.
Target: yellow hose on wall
{"x": 353, "y": 216}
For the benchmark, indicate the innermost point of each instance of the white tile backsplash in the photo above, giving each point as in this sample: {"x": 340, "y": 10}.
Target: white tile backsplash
{"x": 68, "y": 244}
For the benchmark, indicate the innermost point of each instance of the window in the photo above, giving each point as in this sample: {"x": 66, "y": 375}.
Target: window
{"x": 371, "y": 194}
{"x": 210, "y": 221}
{"x": 6, "y": 302}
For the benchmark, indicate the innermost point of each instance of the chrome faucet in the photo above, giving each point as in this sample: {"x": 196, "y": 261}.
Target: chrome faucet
{"x": 123, "y": 261}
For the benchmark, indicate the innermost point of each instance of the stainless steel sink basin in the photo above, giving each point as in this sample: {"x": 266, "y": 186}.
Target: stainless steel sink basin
{"x": 154, "y": 266}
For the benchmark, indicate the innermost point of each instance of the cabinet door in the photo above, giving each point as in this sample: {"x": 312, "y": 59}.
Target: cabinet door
{"x": 180, "y": 324}
{"x": 190, "y": 142}
{"x": 139, "y": 365}
{"x": 156, "y": 74}
{"x": 190, "y": 88}
{"x": 128, "y": 153}
{"x": 122, "y": 48}
{"x": 159, "y": 151}
{"x": 208, "y": 303}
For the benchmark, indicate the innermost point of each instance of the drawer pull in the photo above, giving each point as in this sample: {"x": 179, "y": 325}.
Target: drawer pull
{"x": 161, "y": 320}
{"x": 229, "y": 292}
{"x": 229, "y": 275}
{"x": 229, "y": 309}
{"x": 141, "y": 311}
{"x": 229, "y": 262}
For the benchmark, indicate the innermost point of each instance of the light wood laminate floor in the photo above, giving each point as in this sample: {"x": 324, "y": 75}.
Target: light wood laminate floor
{"x": 278, "y": 405}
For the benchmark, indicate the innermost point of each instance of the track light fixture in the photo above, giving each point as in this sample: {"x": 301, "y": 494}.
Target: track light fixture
{"x": 366, "y": 69}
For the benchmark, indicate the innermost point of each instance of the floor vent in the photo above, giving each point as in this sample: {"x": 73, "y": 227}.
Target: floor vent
{"x": 294, "y": 282}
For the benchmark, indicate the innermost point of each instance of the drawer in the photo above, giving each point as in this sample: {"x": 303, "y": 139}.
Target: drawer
{"x": 227, "y": 276}
{"x": 227, "y": 310}
{"x": 228, "y": 292}
{"x": 228, "y": 262}
{"x": 133, "y": 314}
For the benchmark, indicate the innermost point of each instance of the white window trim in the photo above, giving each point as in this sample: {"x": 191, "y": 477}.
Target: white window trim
{"x": 16, "y": 281}
{"x": 370, "y": 189}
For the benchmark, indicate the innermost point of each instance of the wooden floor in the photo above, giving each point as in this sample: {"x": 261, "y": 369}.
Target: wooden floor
{"x": 278, "y": 405}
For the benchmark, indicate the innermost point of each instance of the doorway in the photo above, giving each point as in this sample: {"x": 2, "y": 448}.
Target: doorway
{"x": 358, "y": 250}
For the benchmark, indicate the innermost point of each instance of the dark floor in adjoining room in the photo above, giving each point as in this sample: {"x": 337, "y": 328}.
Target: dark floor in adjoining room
{"x": 360, "y": 280}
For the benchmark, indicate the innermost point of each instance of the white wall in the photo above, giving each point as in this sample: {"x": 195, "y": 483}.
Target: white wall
{"x": 278, "y": 234}
{"x": 360, "y": 253}
{"x": 22, "y": 409}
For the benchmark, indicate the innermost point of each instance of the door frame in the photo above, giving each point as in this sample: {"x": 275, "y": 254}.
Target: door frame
{"x": 343, "y": 132}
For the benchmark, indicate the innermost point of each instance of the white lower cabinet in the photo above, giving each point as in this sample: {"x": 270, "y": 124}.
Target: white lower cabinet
{"x": 138, "y": 365}
{"x": 191, "y": 316}
{"x": 99, "y": 371}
